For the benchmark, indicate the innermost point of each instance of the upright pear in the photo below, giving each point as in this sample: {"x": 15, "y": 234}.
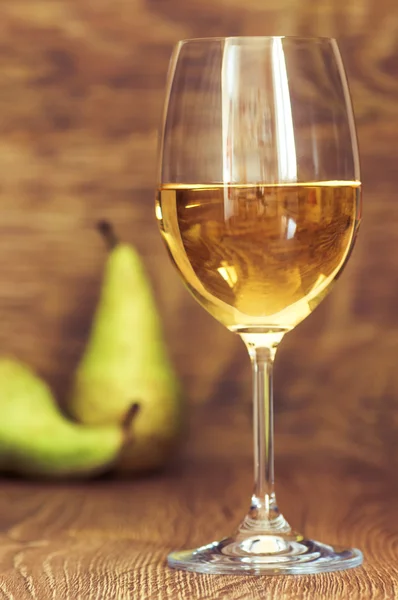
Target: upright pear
{"x": 126, "y": 362}
{"x": 37, "y": 440}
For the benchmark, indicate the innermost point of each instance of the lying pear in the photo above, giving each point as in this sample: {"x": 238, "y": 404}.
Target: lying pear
{"x": 35, "y": 438}
{"x": 126, "y": 361}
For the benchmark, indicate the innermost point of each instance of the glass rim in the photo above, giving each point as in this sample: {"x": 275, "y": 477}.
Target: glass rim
{"x": 259, "y": 38}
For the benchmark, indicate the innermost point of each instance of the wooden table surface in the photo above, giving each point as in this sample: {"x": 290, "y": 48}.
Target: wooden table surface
{"x": 108, "y": 539}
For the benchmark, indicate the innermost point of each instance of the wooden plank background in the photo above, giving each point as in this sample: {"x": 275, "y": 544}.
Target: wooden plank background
{"x": 81, "y": 91}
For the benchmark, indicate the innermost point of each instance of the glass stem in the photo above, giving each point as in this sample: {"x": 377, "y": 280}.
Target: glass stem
{"x": 263, "y": 425}
{"x": 264, "y": 513}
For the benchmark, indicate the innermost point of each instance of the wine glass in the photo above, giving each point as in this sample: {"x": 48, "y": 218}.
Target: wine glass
{"x": 259, "y": 206}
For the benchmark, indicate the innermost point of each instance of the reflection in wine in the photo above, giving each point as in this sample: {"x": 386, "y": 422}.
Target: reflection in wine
{"x": 259, "y": 255}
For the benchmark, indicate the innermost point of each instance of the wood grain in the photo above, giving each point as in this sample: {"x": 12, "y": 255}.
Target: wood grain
{"x": 81, "y": 91}
{"x": 109, "y": 539}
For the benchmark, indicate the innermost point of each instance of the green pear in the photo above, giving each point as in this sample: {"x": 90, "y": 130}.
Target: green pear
{"x": 37, "y": 440}
{"x": 126, "y": 362}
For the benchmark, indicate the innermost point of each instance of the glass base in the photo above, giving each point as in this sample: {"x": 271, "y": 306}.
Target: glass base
{"x": 265, "y": 555}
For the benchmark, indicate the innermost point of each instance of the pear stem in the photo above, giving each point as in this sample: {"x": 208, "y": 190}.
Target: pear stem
{"x": 108, "y": 233}
{"x": 128, "y": 419}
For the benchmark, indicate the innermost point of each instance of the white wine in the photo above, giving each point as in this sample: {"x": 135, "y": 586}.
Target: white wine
{"x": 259, "y": 256}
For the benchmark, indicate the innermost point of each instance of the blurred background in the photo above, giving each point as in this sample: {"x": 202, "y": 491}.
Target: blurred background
{"x": 81, "y": 94}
